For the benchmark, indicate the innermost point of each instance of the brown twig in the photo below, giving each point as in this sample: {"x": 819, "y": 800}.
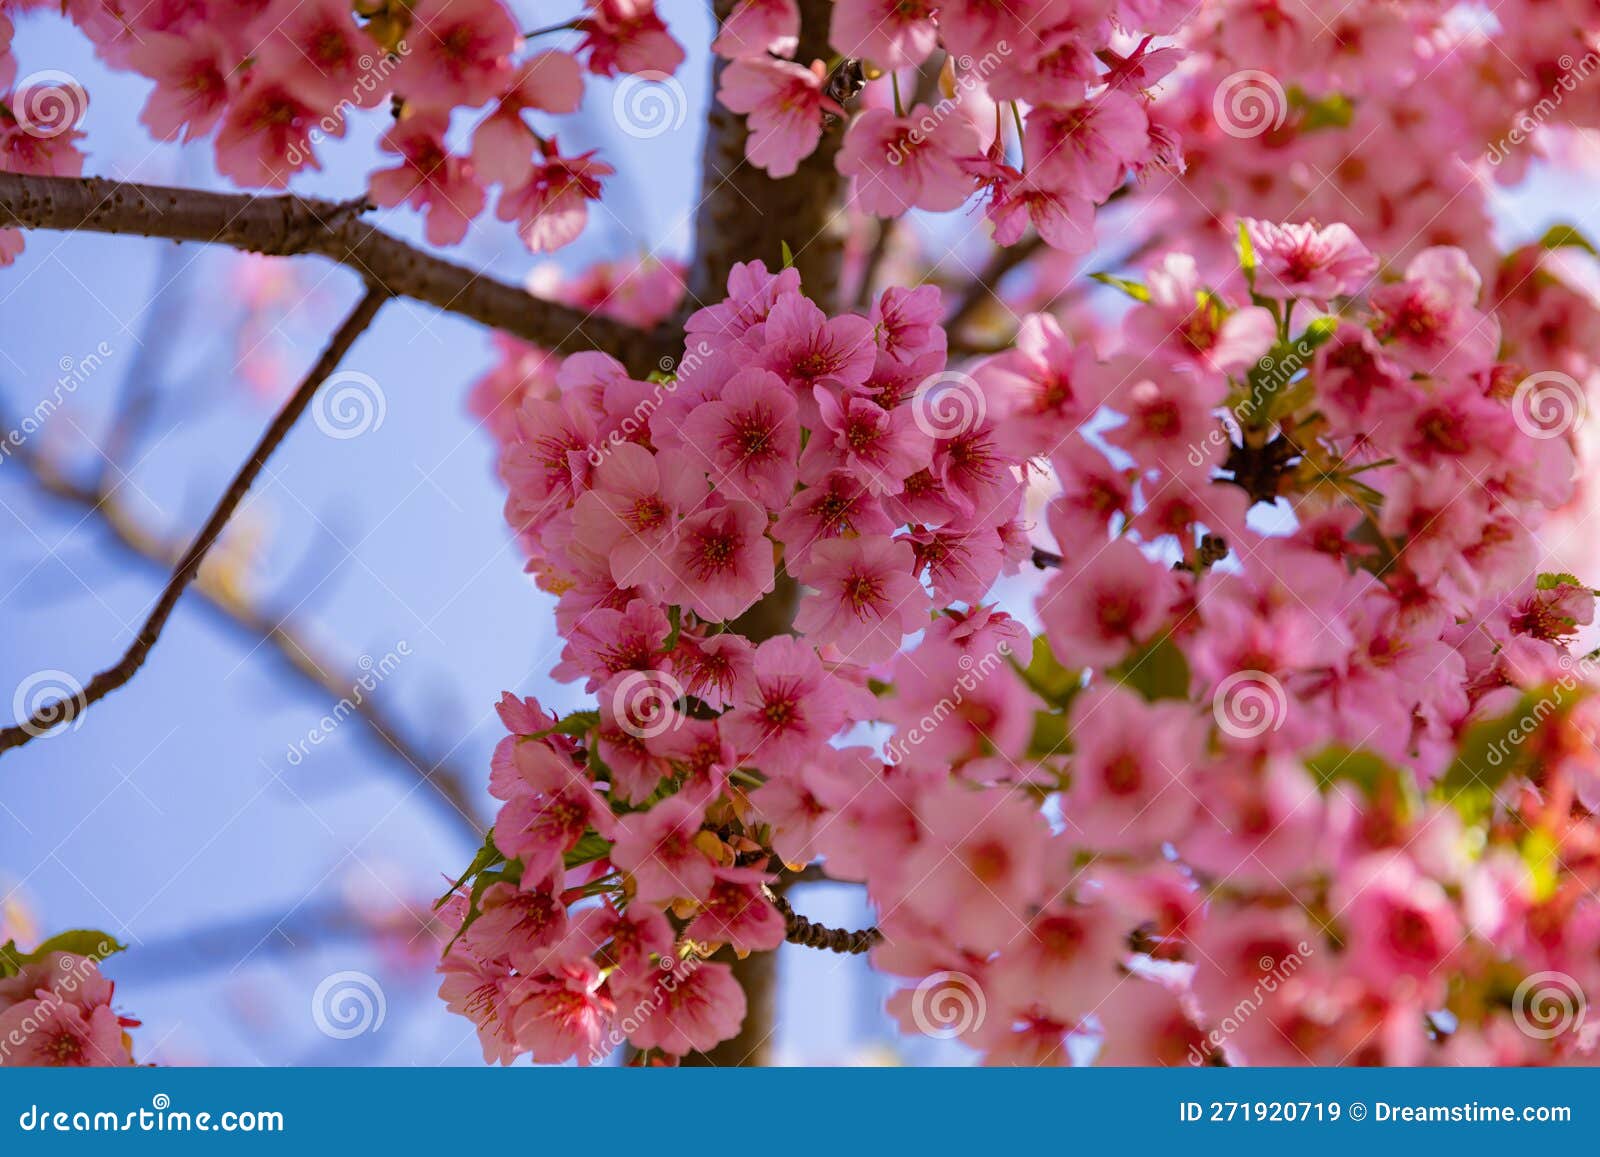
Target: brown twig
{"x": 288, "y": 639}
{"x": 799, "y": 930}
{"x": 983, "y": 285}
{"x": 283, "y": 226}
{"x": 60, "y": 711}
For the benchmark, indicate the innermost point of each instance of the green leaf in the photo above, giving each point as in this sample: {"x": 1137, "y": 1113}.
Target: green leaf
{"x": 1541, "y": 854}
{"x": 1132, "y": 288}
{"x": 591, "y": 846}
{"x": 1051, "y": 681}
{"x": 788, "y": 254}
{"x": 1333, "y": 111}
{"x": 1247, "y": 255}
{"x": 1366, "y": 769}
{"x": 1567, "y": 237}
{"x": 1492, "y": 749}
{"x": 488, "y": 856}
{"x": 90, "y": 942}
{"x": 1157, "y": 671}
{"x": 576, "y": 724}
{"x": 674, "y": 617}
{"x": 1049, "y": 735}
{"x": 1550, "y": 580}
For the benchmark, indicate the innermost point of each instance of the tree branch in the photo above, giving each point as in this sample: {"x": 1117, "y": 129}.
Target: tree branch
{"x": 259, "y": 626}
{"x": 745, "y": 214}
{"x": 799, "y": 930}
{"x": 285, "y": 226}
{"x": 65, "y": 710}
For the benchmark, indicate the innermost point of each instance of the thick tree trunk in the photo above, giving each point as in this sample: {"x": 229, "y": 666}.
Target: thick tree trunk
{"x": 745, "y": 214}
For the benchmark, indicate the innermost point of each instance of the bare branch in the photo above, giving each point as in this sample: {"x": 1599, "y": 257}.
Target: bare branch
{"x": 259, "y": 626}
{"x": 983, "y": 285}
{"x": 61, "y": 711}
{"x": 283, "y": 226}
{"x": 799, "y": 930}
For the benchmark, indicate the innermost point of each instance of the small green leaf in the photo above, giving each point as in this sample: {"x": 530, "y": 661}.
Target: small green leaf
{"x": 1050, "y": 680}
{"x": 1550, "y": 580}
{"x": 1567, "y": 237}
{"x": 1333, "y": 111}
{"x": 675, "y": 618}
{"x": 1247, "y": 255}
{"x": 1049, "y": 735}
{"x": 788, "y": 254}
{"x": 576, "y": 724}
{"x": 1366, "y": 769}
{"x": 591, "y": 846}
{"x": 90, "y": 942}
{"x": 1132, "y": 288}
{"x": 488, "y": 856}
{"x": 1492, "y": 749}
{"x": 1157, "y": 671}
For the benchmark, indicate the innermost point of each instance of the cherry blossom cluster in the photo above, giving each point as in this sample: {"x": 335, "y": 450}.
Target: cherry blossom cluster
{"x": 1076, "y": 76}
{"x": 56, "y": 1009}
{"x": 837, "y": 453}
{"x": 272, "y": 81}
{"x": 1295, "y": 769}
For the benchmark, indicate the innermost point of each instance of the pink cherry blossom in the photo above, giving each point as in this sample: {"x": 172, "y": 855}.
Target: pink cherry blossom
{"x": 910, "y": 162}
{"x": 758, "y": 27}
{"x": 429, "y": 178}
{"x": 785, "y": 103}
{"x": 865, "y": 598}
